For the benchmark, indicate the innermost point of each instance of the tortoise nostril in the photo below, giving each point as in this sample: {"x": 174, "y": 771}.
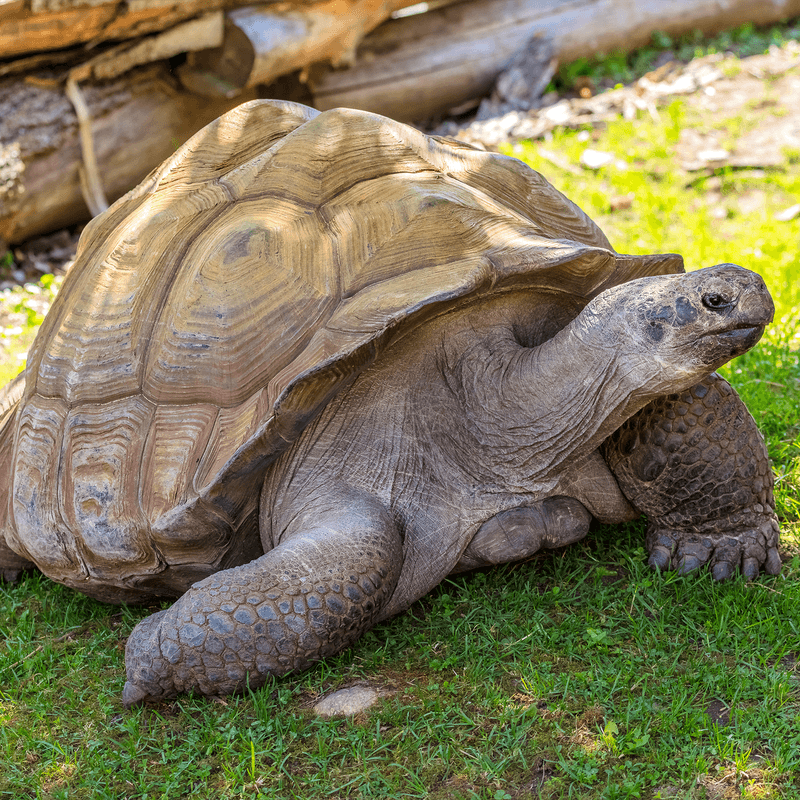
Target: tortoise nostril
{"x": 716, "y": 302}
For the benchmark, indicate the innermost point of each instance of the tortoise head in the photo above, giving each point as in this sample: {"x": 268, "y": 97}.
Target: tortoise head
{"x": 686, "y": 326}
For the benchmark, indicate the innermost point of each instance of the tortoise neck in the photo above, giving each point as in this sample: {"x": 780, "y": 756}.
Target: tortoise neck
{"x": 580, "y": 390}
{"x": 546, "y": 406}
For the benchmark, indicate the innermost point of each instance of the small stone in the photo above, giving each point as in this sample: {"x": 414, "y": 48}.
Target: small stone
{"x": 788, "y": 214}
{"x": 347, "y": 702}
{"x": 594, "y": 159}
{"x": 713, "y": 154}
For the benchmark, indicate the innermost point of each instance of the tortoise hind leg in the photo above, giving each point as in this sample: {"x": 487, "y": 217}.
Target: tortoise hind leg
{"x": 310, "y": 597}
{"x": 697, "y": 465}
{"x": 11, "y": 564}
{"x": 520, "y": 532}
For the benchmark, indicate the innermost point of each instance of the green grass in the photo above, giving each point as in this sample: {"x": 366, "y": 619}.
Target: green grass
{"x": 23, "y": 309}
{"x": 580, "y": 673}
{"x": 619, "y": 67}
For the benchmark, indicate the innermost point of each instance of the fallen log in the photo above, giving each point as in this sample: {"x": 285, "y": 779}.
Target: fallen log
{"x": 412, "y": 68}
{"x": 73, "y": 139}
{"x": 263, "y": 42}
{"x": 136, "y": 123}
{"x": 416, "y": 67}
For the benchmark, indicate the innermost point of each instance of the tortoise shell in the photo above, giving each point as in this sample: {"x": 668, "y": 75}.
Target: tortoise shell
{"x": 214, "y": 310}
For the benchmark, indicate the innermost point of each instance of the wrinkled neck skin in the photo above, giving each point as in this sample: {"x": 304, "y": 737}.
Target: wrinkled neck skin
{"x": 534, "y": 411}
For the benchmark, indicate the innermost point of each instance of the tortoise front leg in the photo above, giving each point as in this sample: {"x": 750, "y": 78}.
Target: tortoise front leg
{"x": 310, "y": 597}
{"x": 697, "y": 465}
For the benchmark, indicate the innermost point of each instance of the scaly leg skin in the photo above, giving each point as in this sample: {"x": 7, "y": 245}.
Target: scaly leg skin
{"x": 697, "y": 466}
{"x": 310, "y": 597}
{"x": 11, "y": 565}
{"x": 520, "y": 532}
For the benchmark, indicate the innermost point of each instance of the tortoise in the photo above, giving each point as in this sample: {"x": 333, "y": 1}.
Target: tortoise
{"x": 317, "y": 362}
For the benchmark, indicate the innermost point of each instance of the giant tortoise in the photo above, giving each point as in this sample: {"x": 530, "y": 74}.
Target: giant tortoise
{"x": 316, "y": 362}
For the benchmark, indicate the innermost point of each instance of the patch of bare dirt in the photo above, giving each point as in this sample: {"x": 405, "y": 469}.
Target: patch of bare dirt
{"x": 719, "y": 713}
{"x": 753, "y": 105}
{"x": 764, "y": 95}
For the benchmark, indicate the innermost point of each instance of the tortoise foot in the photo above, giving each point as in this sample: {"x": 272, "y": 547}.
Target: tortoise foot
{"x": 10, "y": 575}
{"x": 750, "y": 550}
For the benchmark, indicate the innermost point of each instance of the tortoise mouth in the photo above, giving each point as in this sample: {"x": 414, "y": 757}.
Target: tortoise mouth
{"x": 741, "y": 338}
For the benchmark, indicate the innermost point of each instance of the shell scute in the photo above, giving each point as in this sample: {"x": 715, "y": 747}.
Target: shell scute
{"x": 38, "y": 531}
{"x": 323, "y": 158}
{"x": 101, "y": 327}
{"x": 241, "y": 307}
{"x": 176, "y": 441}
{"x": 232, "y": 428}
{"x": 99, "y": 494}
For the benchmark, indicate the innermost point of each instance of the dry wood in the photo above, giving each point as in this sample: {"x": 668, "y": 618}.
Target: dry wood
{"x": 418, "y": 66}
{"x": 88, "y": 173}
{"x": 110, "y": 60}
{"x": 409, "y": 68}
{"x": 196, "y": 34}
{"x": 30, "y": 27}
{"x": 136, "y": 123}
{"x": 263, "y": 42}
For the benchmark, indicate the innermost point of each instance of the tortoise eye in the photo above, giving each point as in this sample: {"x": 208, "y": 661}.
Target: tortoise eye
{"x": 716, "y": 302}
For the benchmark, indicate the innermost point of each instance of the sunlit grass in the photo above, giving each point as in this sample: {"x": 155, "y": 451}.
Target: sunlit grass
{"x": 670, "y": 210}
{"x": 22, "y": 310}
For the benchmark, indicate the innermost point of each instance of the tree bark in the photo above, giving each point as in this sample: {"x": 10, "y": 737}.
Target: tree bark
{"x": 133, "y": 123}
{"x": 409, "y": 68}
{"x": 30, "y": 26}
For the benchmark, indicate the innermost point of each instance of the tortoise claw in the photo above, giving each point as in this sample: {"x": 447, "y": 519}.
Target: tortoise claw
{"x": 751, "y": 550}
{"x": 722, "y": 571}
{"x": 772, "y": 565}
{"x": 727, "y": 556}
{"x": 691, "y": 555}
{"x": 750, "y": 568}
{"x": 133, "y": 695}
{"x": 689, "y": 563}
{"x": 661, "y": 546}
{"x": 660, "y": 558}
